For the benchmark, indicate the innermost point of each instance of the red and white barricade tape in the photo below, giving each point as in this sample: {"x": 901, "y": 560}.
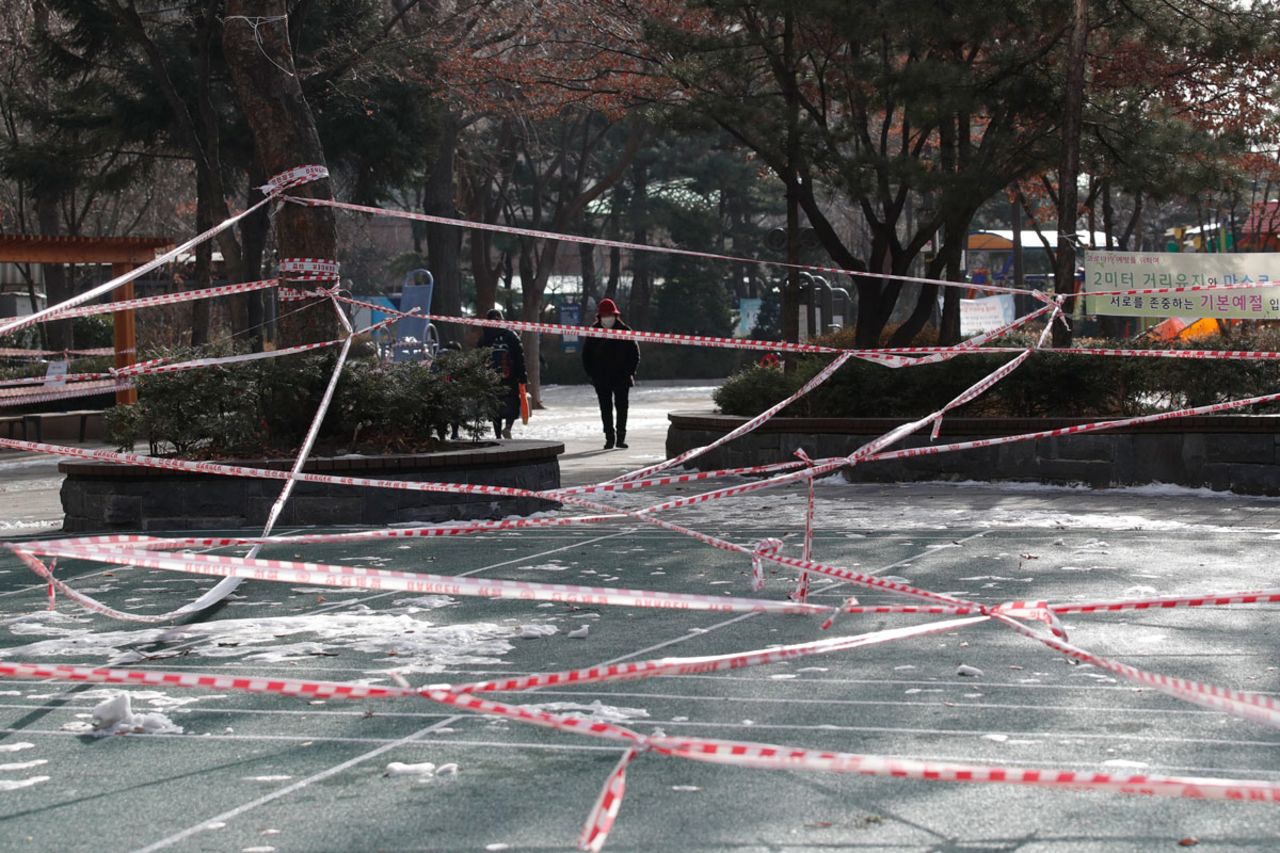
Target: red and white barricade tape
{"x": 166, "y": 299}
{"x": 976, "y": 390}
{"x": 1204, "y": 354}
{"x": 802, "y": 586}
{"x": 107, "y": 287}
{"x": 1168, "y": 602}
{"x": 79, "y": 389}
{"x": 709, "y": 750}
{"x": 310, "y": 269}
{"x": 295, "y": 177}
{"x": 15, "y": 352}
{"x": 1249, "y": 706}
{"x": 151, "y": 369}
{"x": 704, "y": 664}
{"x": 645, "y": 515}
{"x": 357, "y": 577}
{"x": 750, "y": 425}
{"x": 818, "y": 468}
{"x": 716, "y": 256}
{"x": 1077, "y": 429}
{"x": 770, "y": 545}
{"x": 605, "y": 811}
{"x": 290, "y": 294}
{"x": 461, "y": 528}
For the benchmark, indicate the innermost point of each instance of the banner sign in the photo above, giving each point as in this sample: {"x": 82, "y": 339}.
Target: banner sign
{"x": 981, "y": 315}
{"x": 748, "y": 313}
{"x": 1108, "y": 270}
{"x": 570, "y": 315}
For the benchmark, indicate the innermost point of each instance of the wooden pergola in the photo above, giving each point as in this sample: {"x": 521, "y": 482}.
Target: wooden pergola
{"x": 121, "y": 253}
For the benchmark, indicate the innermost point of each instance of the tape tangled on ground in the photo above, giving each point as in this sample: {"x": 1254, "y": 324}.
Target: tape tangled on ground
{"x": 1038, "y": 621}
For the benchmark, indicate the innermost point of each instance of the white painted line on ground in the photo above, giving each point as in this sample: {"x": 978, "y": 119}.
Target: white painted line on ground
{"x": 357, "y": 709}
{"x": 830, "y": 584}
{"x": 303, "y": 783}
{"x": 188, "y": 740}
{"x": 924, "y": 703}
{"x": 231, "y": 814}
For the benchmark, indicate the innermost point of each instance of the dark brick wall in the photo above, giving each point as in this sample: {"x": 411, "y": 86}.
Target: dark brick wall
{"x": 98, "y": 497}
{"x": 1241, "y": 454}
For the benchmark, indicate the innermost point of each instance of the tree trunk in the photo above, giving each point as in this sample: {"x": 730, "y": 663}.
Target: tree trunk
{"x": 1064, "y": 277}
{"x": 444, "y": 242}
{"x": 58, "y": 285}
{"x": 615, "y": 254}
{"x": 926, "y": 304}
{"x": 260, "y": 63}
{"x": 587, "y": 265}
{"x": 485, "y": 275}
{"x": 200, "y": 314}
{"x": 949, "y": 325}
{"x": 253, "y": 236}
{"x": 1112, "y": 327}
{"x": 533, "y": 283}
{"x": 791, "y": 290}
{"x": 641, "y": 275}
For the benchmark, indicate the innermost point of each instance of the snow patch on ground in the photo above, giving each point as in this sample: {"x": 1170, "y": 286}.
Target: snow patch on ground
{"x": 403, "y": 633}
{"x": 597, "y": 710}
{"x": 116, "y": 716}
{"x": 425, "y": 771}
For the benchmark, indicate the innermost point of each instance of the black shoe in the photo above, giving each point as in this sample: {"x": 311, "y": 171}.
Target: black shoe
{"x": 622, "y": 443}
{"x": 608, "y": 442}
{"x": 622, "y": 439}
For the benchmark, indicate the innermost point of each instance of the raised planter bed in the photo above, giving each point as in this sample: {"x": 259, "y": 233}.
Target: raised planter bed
{"x": 99, "y": 496}
{"x": 1236, "y": 452}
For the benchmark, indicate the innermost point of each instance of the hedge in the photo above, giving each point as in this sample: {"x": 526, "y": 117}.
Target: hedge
{"x": 1048, "y": 384}
{"x": 264, "y": 408}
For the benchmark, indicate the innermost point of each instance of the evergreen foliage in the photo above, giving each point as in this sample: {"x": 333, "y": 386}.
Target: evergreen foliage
{"x": 1048, "y": 384}
{"x": 264, "y": 408}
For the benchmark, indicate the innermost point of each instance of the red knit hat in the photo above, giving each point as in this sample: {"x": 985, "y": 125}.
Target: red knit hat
{"x": 606, "y": 308}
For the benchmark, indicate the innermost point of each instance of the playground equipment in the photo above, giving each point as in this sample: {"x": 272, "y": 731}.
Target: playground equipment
{"x": 415, "y": 339}
{"x": 824, "y": 308}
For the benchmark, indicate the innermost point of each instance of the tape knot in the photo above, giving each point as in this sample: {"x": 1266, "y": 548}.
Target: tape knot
{"x": 295, "y": 177}
{"x": 769, "y": 546}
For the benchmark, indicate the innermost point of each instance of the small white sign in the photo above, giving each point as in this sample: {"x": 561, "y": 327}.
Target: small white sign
{"x": 983, "y": 315}
{"x": 56, "y": 374}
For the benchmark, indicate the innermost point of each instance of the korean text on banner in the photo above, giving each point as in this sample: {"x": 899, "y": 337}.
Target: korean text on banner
{"x": 1106, "y": 271}
{"x": 983, "y": 315}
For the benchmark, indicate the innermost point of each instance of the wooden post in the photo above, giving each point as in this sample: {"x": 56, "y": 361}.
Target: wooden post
{"x": 125, "y": 332}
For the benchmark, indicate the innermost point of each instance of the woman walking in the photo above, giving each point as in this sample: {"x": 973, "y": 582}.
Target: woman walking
{"x": 611, "y": 363}
{"x": 508, "y": 362}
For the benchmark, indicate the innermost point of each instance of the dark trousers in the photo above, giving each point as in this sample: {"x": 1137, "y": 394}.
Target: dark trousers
{"x": 613, "y": 397}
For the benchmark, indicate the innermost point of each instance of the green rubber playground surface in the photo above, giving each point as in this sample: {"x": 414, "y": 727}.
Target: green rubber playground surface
{"x": 251, "y": 772}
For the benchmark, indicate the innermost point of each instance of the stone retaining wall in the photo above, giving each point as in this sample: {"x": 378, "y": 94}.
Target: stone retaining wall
{"x": 99, "y": 496}
{"x": 1236, "y": 452}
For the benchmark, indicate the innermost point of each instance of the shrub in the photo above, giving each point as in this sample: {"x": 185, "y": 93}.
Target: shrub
{"x": 1048, "y": 384}
{"x": 266, "y": 407}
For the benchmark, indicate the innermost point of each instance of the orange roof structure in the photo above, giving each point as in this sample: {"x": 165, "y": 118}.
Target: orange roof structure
{"x": 32, "y": 248}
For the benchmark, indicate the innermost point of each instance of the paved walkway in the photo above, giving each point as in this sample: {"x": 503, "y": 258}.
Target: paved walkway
{"x": 259, "y": 772}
